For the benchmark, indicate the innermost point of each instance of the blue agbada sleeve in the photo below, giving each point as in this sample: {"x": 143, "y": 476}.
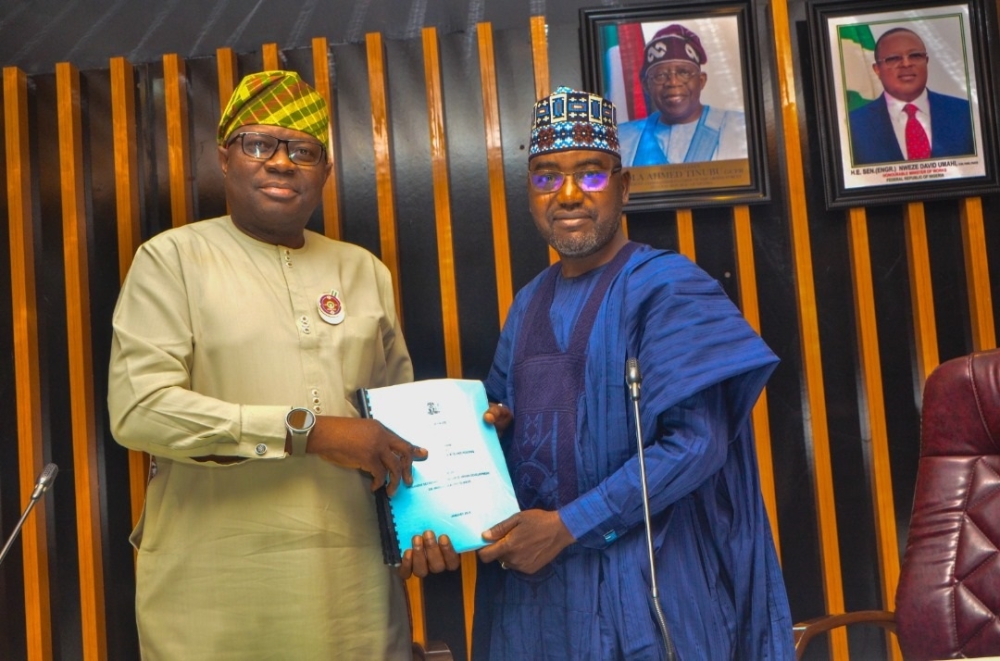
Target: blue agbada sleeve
{"x": 691, "y": 446}
{"x": 703, "y": 368}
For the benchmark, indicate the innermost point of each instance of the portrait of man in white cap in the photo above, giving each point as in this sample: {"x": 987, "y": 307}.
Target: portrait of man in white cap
{"x": 682, "y": 129}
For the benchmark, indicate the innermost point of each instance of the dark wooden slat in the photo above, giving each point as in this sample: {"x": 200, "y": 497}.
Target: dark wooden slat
{"x": 34, "y": 541}
{"x": 80, "y": 358}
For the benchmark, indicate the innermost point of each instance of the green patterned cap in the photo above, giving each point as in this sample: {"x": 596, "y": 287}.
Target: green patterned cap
{"x": 275, "y": 98}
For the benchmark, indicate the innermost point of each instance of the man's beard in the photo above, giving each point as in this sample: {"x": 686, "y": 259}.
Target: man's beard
{"x": 578, "y": 245}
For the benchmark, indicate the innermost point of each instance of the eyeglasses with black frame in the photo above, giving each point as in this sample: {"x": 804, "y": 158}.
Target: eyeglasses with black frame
{"x": 895, "y": 61}
{"x": 589, "y": 181}
{"x": 262, "y": 146}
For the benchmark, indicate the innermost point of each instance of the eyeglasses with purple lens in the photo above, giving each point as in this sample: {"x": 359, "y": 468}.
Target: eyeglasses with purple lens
{"x": 589, "y": 181}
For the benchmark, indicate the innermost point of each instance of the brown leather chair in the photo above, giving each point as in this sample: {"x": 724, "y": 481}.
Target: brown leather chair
{"x": 948, "y": 598}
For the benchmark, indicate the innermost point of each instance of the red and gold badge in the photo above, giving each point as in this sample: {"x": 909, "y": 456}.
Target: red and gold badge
{"x": 331, "y": 308}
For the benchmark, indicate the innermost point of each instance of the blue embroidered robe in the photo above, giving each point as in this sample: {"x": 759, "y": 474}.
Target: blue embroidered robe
{"x": 719, "y": 580}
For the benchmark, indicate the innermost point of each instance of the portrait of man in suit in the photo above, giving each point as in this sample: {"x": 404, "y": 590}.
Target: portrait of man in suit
{"x": 908, "y": 121}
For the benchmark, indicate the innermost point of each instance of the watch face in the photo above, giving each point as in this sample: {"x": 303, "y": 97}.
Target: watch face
{"x": 300, "y": 420}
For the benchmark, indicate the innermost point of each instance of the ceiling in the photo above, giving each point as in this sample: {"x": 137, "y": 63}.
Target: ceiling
{"x": 35, "y": 34}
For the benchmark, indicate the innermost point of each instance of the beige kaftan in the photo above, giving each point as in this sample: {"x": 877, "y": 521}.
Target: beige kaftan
{"x": 216, "y": 336}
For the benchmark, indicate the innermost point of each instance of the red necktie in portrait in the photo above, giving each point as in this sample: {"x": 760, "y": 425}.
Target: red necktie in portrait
{"x": 917, "y": 145}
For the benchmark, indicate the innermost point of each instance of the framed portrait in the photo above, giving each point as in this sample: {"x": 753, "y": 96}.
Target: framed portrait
{"x": 685, "y": 83}
{"x": 905, "y": 99}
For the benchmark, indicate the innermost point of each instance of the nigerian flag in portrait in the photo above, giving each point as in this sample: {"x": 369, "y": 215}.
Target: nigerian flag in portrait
{"x": 857, "y": 55}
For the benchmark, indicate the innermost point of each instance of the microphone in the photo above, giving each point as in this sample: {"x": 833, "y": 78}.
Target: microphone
{"x": 45, "y": 480}
{"x": 633, "y": 379}
{"x": 42, "y": 484}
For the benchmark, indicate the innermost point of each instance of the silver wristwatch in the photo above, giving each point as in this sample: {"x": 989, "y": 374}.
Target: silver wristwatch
{"x": 299, "y": 422}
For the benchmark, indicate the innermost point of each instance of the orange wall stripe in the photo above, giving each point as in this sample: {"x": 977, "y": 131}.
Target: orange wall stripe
{"x": 494, "y": 161}
{"x": 30, "y": 454}
{"x": 331, "y": 190}
{"x": 383, "y": 162}
{"x": 921, "y": 293}
{"x": 685, "y": 233}
{"x": 879, "y": 469}
{"x": 80, "y": 358}
{"x": 977, "y": 275}
{"x": 270, "y": 58}
{"x": 175, "y": 91}
{"x": 540, "y": 55}
{"x": 540, "y": 68}
{"x": 227, "y": 68}
{"x": 442, "y": 205}
{"x": 127, "y": 204}
{"x": 746, "y": 279}
{"x": 817, "y": 432}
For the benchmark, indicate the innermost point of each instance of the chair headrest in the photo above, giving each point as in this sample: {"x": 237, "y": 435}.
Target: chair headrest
{"x": 961, "y": 407}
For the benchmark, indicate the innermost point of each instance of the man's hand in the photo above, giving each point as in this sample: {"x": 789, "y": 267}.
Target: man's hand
{"x": 367, "y": 445}
{"x": 499, "y": 416}
{"x": 527, "y": 541}
{"x": 429, "y": 555}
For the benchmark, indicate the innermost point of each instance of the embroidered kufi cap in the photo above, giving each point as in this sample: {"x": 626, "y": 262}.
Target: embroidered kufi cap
{"x": 275, "y": 98}
{"x": 674, "y": 42}
{"x": 571, "y": 119}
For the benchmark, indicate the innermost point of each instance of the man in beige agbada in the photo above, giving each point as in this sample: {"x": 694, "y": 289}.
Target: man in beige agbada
{"x": 239, "y": 343}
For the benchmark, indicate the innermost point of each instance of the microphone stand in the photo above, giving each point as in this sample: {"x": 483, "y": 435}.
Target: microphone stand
{"x": 45, "y": 480}
{"x": 633, "y": 378}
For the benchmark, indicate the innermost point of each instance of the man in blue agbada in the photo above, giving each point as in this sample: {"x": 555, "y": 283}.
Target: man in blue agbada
{"x": 568, "y": 577}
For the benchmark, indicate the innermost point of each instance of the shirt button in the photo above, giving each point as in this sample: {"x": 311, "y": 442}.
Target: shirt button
{"x": 315, "y": 392}
{"x": 261, "y": 449}
{"x": 318, "y": 409}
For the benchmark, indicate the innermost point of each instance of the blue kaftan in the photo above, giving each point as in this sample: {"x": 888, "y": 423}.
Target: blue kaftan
{"x": 719, "y": 580}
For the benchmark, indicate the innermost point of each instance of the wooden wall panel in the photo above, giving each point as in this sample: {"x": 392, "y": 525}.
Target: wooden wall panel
{"x": 270, "y": 57}
{"x": 383, "y": 161}
{"x": 797, "y": 213}
{"x": 27, "y": 377}
{"x": 129, "y": 233}
{"x": 494, "y": 160}
{"x": 747, "y": 281}
{"x": 331, "y": 189}
{"x": 977, "y": 275}
{"x": 921, "y": 292}
{"x": 81, "y": 375}
{"x": 176, "y": 91}
{"x": 879, "y": 470}
{"x": 817, "y": 433}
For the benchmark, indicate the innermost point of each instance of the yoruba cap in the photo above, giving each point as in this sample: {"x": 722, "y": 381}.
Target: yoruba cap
{"x": 275, "y": 98}
{"x": 674, "y": 42}
{"x": 571, "y": 119}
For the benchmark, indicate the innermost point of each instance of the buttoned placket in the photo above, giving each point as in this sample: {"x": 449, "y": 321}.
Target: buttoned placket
{"x": 302, "y": 307}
